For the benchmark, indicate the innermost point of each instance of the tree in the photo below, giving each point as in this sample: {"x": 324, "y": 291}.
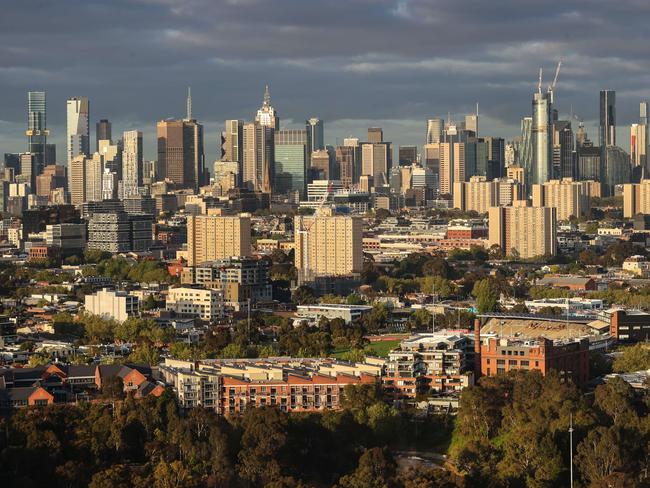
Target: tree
{"x": 376, "y": 469}
{"x": 113, "y": 388}
{"x": 172, "y": 475}
{"x": 263, "y": 439}
{"x": 486, "y": 295}
{"x": 181, "y": 350}
{"x": 599, "y": 454}
{"x": 437, "y": 266}
{"x": 634, "y": 358}
{"x": 303, "y": 295}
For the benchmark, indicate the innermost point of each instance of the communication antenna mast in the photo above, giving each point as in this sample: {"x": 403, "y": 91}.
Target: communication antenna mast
{"x": 189, "y": 103}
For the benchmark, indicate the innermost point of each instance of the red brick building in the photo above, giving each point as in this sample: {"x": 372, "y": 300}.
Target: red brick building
{"x": 570, "y": 358}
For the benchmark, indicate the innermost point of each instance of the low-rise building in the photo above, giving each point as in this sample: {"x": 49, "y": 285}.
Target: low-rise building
{"x": 349, "y": 313}
{"x": 439, "y": 362}
{"x": 116, "y": 305}
{"x": 230, "y": 386}
{"x": 205, "y": 304}
{"x": 637, "y": 265}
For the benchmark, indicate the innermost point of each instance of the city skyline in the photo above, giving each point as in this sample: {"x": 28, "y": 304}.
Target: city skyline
{"x": 395, "y": 81}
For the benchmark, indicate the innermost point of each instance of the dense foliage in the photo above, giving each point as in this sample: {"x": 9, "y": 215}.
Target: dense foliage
{"x": 145, "y": 443}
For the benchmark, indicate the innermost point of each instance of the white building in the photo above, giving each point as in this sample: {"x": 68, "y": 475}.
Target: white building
{"x": 109, "y": 304}
{"x": 196, "y": 302}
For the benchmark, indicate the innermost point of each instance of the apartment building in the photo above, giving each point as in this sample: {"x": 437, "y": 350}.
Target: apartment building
{"x": 230, "y": 386}
{"x": 568, "y": 197}
{"x": 478, "y": 194}
{"x": 212, "y": 237}
{"x": 437, "y": 362}
{"x": 328, "y": 244}
{"x": 204, "y": 304}
{"x": 636, "y": 199}
{"x": 110, "y": 304}
{"x": 525, "y": 232}
{"x": 240, "y": 278}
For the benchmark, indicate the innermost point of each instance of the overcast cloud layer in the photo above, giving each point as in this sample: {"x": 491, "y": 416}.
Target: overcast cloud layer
{"x": 351, "y": 63}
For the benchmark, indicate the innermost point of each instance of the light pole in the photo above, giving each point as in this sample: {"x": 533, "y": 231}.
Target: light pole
{"x": 571, "y": 447}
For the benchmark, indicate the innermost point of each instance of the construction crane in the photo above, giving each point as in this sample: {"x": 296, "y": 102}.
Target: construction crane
{"x": 551, "y": 88}
{"x": 304, "y": 231}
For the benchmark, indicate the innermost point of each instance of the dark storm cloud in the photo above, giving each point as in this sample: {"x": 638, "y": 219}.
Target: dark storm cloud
{"x": 371, "y": 61}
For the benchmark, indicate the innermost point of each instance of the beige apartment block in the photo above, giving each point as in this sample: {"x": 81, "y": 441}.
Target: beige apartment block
{"x": 526, "y": 232}
{"x": 211, "y": 237}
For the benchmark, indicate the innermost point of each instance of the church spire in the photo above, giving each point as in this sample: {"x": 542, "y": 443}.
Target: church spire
{"x": 267, "y": 96}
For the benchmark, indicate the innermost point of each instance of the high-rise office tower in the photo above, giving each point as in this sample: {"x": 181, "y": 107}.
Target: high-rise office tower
{"x": 132, "y": 163}
{"x": 581, "y": 135}
{"x": 78, "y": 130}
{"x": 471, "y": 123}
{"x": 37, "y": 130}
{"x": 258, "y": 172}
{"x": 315, "y": 134}
{"x": 291, "y": 161}
{"x": 322, "y": 166}
{"x": 407, "y": 155}
{"x": 375, "y": 135}
{"x": 588, "y": 164}
{"x": 526, "y": 146}
{"x": 346, "y": 159}
{"x": 85, "y": 177}
{"x": 639, "y": 138}
{"x": 232, "y": 146}
{"x": 563, "y": 150}
{"x": 29, "y": 169}
{"x": 615, "y": 169}
{"x": 435, "y": 128}
{"x": 431, "y": 160}
{"x": 212, "y": 237}
{"x": 103, "y": 132}
{"x": 266, "y": 115}
{"x": 180, "y": 152}
{"x": 375, "y": 162}
{"x": 53, "y": 177}
{"x": 607, "y": 118}
{"x": 541, "y": 138}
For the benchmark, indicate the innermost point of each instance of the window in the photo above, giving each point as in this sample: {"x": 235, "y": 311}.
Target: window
{"x": 512, "y": 362}
{"x": 501, "y": 361}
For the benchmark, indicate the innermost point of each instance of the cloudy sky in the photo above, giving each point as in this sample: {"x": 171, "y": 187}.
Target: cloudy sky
{"x": 353, "y": 63}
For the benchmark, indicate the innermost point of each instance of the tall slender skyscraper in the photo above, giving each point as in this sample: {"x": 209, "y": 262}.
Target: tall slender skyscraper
{"x": 37, "y": 131}
{"x": 103, "y": 132}
{"x": 258, "y": 172}
{"x": 78, "y": 135}
{"x": 132, "y": 163}
{"x": 315, "y": 134}
{"x": 607, "y": 118}
{"x": 639, "y": 138}
{"x": 180, "y": 152}
{"x": 541, "y": 138}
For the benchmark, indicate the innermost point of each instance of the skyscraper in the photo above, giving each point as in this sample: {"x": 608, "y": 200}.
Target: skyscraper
{"x": 291, "y": 160}
{"x": 266, "y": 115}
{"x": 375, "y": 134}
{"x": 132, "y": 162}
{"x": 315, "y": 134}
{"x": 639, "y": 138}
{"x": 607, "y": 118}
{"x": 180, "y": 152}
{"x": 346, "y": 159}
{"x": 78, "y": 135}
{"x": 435, "y": 129}
{"x": 232, "y": 146}
{"x": 375, "y": 162}
{"x": 258, "y": 171}
{"x": 103, "y": 132}
{"x": 541, "y": 138}
{"x": 407, "y": 155}
{"x": 37, "y": 131}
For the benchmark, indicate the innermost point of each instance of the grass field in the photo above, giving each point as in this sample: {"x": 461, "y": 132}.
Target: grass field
{"x": 379, "y": 348}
